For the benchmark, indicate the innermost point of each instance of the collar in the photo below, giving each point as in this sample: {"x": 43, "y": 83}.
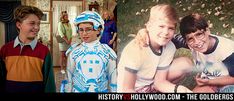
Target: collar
{"x": 214, "y": 47}
{"x": 90, "y": 44}
{"x": 32, "y": 44}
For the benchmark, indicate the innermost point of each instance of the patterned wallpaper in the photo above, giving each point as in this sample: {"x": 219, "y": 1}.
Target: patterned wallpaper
{"x": 29, "y": 2}
{"x": 44, "y": 33}
{"x": 43, "y": 5}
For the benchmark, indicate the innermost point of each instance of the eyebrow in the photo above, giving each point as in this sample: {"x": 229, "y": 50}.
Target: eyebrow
{"x": 85, "y": 27}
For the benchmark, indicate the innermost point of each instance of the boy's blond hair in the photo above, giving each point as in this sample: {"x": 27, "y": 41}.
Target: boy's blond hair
{"x": 165, "y": 11}
{"x": 159, "y": 12}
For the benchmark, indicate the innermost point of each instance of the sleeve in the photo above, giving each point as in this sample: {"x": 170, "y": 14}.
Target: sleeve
{"x": 112, "y": 74}
{"x": 2, "y": 73}
{"x": 179, "y": 41}
{"x": 61, "y": 29}
{"x": 48, "y": 74}
{"x": 167, "y": 57}
{"x": 225, "y": 49}
{"x": 71, "y": 48}
{"x": 70, "y": 69}
{"x": 114, "y": 27}
{"x": 229, "y": 63}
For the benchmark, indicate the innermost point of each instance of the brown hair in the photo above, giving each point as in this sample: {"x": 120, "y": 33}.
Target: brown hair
{"x": 63, "y": 13}
{"x": 163, "y": 11}
{"x": 191, "y": 23}
{"x": 21, "y": 12}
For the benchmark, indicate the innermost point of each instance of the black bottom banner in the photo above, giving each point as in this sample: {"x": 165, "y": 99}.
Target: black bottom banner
{"x": 164, "y": 96}
{"x": 123, "y": 96}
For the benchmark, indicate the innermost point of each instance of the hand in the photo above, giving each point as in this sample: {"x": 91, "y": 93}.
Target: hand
{"x": 201, "y": 81}
{"x": 67, "y": 41}
{"x": 142, "y": 38}
{"x": 204, "y": 89}
{"x": 68, "y": 87}
{"x": 111, "y": 42}
{"x": 70, "y": 42}
{"x": 183, "y": 89}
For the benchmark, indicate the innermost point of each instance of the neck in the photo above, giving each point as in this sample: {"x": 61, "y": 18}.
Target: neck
{"x": 25, "y": 40}
{"x": 211, "y": 43}
{"x": 155, "y": 47}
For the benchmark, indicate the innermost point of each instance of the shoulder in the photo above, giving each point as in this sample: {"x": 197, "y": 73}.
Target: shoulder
{"x": 170, "y": 46}
{"x": 60, "y": 24}
{"x": 42, "y": 48}
{"x": 224, "y": 44}
{"x": 9, "y": 44}
{"x": 7, "y": 47}
{"x": 224, "y": 47}
{"x": 71, "y": 48}
{"x": 132, "y": 47}
{"x": 109, "y": 51}
{"x": 225, "y": 41}
{"x": 133, "y": 51}
{"x": 112, "y": 22}
{"x": 169, "y": 49}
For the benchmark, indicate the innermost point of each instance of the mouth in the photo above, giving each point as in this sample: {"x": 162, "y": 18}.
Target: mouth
{"x": 85, "y": 38}
{"x": 200, "y": 46}
{"x": 34, "y": 32}
{"x": 164, "y": 38}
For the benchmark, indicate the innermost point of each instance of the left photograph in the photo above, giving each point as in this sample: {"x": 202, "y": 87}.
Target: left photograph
{"x": 58, "y": 46}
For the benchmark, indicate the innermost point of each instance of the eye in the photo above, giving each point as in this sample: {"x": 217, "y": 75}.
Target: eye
{"x": 199, "y": 35}
{"x": 171, "y": 29}
{"x": 161, "y": 26}
{"x": 31, "y": 23}
{"x": 80, "y": 29}
{"x": 190, "y": 40}
{"x": 88, "y": 29}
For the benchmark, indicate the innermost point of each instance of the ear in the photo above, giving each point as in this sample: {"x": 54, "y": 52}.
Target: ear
{"x": 147, "y": 26}
{"x": 207, "y": 31}
{"x": 97, "y": 32}
{"x": 18, "y": 25}
{"x": 190, "y": 47}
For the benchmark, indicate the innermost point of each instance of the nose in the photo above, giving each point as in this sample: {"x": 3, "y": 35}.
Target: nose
{"x": 84, "y": 32}
{"x": 195, "y": 40}
{"x": 37, "y": 26}
{"x": 165, "y": 31}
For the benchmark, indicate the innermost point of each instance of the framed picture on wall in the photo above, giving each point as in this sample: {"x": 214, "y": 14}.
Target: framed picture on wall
{"x": 45, "y": 17}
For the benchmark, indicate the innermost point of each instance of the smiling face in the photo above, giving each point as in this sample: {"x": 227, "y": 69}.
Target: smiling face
{"x": 161, "y": 25}
{"x": 106, "y": 15}
{"x": 199, "y": 40}
{"x": 161, "y": 31}
{"x": 87, "y": 33}
{"x": 65, "y": 16}
{"x": 29, "y": 27}
{"x": 194, "y": 28}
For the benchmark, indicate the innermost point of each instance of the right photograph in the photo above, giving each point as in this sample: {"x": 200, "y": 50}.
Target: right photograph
{"x": 175, "y": 46}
